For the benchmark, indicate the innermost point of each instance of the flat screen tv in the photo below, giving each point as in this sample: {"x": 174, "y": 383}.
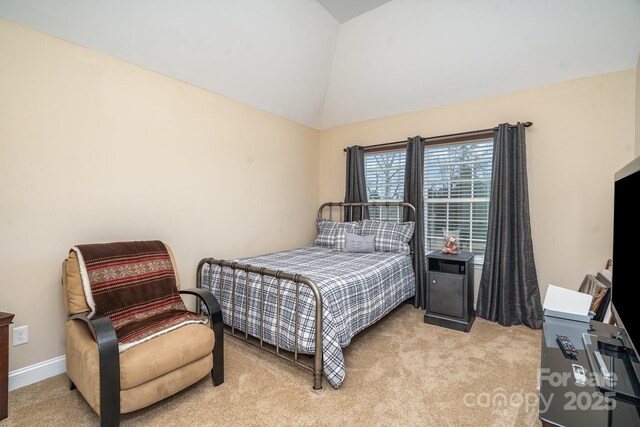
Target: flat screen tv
{"x": 614, "y": 359}
{"x": 625, "y": 282}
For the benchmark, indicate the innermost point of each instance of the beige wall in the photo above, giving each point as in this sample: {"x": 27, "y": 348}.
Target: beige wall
{"x": 583, "y": 132}
{"x": 93, "y": 149}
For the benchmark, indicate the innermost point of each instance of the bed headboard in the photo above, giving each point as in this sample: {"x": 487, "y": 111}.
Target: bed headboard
{"x": 393, "y": 210}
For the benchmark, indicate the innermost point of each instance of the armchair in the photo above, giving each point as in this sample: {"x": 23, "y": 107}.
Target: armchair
{"x": 115, "y": 381}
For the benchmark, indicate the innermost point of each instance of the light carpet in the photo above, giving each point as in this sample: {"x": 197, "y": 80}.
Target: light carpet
{"x": 400, "y": 371}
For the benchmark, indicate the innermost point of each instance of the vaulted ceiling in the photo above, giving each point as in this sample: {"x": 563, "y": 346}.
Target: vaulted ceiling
{"x": 344, "y": 10}
{"x": 296, "y": 59}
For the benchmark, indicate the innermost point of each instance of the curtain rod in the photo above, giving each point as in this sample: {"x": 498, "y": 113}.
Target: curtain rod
{"x": 451, "y": 135}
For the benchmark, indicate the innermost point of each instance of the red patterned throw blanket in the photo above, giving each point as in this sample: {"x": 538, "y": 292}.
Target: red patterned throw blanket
{"x": 133, "y": 283}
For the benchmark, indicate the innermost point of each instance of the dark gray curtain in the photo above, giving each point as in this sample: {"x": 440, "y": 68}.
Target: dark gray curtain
{"x": 509, "y": 292}
{"x": 414, "y": 194}
{"x": 356, "y": 190}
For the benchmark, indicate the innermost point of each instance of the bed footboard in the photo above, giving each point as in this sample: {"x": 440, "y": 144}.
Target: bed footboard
{"x": 298, "y": 280}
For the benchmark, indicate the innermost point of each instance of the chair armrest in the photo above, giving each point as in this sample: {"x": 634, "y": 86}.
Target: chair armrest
{"x": 215, "y": 318}
{"x": 210, "y": 301}
{"x": 109, "y": 356}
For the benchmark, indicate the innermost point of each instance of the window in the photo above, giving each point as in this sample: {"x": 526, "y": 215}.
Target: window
{"x": 457, "y": 186}
{"x": 384, "y": 176}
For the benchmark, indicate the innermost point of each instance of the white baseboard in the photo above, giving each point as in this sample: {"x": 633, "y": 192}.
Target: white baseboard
{"x": 38, "y": 372}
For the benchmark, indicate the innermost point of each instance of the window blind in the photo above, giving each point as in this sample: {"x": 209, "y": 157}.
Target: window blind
{"x": 384, "y": 177}
{"x": 457, "y": 188}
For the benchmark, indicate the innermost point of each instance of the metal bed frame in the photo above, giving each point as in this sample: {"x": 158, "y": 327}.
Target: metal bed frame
{"x": 297, "y": 279}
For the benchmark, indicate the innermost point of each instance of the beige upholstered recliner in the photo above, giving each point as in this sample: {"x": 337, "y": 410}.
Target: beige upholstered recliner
{"x": 114, "y": 383}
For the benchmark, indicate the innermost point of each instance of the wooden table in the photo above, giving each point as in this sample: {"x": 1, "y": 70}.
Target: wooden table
{"x": 5, "y": 321}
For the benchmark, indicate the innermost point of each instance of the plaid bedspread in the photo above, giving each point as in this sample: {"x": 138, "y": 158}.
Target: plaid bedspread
{"x": 357, "y": 290}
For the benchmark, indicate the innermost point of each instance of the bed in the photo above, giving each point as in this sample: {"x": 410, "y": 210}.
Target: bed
{"x": 311, "y": 301}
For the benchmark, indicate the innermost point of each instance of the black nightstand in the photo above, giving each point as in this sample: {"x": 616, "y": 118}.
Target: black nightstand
{"x": 450, "y": 290}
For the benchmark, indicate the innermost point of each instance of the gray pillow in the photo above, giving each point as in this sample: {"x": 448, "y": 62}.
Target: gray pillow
{"x": 356, "y": 243}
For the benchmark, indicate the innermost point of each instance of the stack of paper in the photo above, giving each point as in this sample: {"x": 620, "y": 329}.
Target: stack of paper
{"x": 567, "y": 304}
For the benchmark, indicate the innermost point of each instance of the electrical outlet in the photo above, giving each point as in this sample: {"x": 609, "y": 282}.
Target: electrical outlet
{"x": 21, "y": 335}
